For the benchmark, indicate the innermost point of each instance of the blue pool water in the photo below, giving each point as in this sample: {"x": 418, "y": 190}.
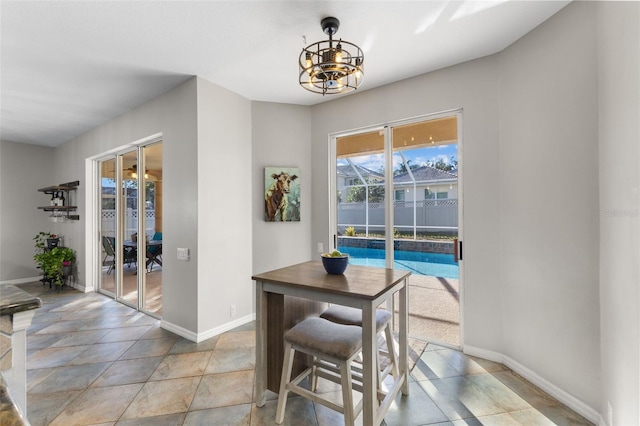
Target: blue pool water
{"x": 433, "y": 264}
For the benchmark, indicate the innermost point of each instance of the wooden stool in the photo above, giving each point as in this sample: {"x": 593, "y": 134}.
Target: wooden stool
{"x": 328, "y": 342}
{"x": 352, "y": 316}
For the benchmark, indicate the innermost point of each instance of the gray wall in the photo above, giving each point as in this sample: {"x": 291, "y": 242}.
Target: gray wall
{"x": 619, "y": 149}
{"x": 23, "y": 169}
{"x": 549, "y": 240}
{"x": 225, "y": 198}
{"x": 174, "y": 115}
{"x": 281, "y": 137}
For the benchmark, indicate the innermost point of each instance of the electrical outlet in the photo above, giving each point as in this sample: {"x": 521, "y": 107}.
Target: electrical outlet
{"x": 320, "y": 248}
{"x": 609, "y": 414}
{"x": 232, "y": 310}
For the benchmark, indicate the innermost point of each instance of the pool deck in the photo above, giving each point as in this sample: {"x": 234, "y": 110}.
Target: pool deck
{"x": 434, "y": 311}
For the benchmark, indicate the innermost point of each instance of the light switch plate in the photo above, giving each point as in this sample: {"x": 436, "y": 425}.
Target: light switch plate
{"x": 183, "y": 254}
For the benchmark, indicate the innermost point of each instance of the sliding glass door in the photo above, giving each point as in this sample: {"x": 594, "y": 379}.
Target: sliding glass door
{"x": 127, "y": 241}
{"x": 131, "y": 227}
{"x": 151, "y": 201}
{"x": 360, "y": 187}
{"x": 397, "y": 206}
{"x": 108, "y": 226}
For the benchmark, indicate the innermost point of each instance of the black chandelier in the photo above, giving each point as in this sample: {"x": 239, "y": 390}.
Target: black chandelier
{"x": 328, "y": 67}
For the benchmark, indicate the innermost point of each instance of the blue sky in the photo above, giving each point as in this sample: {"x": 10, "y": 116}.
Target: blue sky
{"x": 415, "y": 156}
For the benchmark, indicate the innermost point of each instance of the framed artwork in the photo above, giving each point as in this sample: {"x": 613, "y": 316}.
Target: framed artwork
{"x": 282, "y": 194}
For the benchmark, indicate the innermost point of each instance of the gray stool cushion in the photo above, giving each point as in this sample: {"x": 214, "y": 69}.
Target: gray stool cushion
{"x": 325, "y": 337}
{"x": 353, "y": 316}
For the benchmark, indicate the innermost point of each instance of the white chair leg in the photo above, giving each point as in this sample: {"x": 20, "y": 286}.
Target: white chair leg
{"x": 391, "y": 349}
{"x": 378, "y": 367}
{"x": 287, "y": 365}
{"x": 347, "y": 395}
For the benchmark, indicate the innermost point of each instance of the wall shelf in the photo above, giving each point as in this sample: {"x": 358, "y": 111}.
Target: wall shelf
{"x": 65, "y": 209}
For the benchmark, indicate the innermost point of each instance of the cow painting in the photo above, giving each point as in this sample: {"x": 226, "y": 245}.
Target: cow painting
{"x": 282, "y": 195}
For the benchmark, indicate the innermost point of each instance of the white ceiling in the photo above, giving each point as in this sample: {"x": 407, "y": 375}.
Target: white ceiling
{"x": 68, "y": 67}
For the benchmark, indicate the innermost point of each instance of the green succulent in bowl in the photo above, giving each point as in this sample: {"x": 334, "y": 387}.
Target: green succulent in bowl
{"x": 334, "y": 253}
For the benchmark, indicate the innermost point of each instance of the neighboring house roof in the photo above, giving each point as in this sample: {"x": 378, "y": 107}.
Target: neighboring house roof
{"x": 426, "y": 174}
{"x": 347, "y": 171}
{"x": 421, "y": 174}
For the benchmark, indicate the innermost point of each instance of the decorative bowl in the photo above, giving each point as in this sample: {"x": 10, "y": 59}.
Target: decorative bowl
{"x": 335, "y": 265}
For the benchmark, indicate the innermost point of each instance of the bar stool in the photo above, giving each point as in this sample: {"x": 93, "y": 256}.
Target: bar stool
{"x": 353, "y": 316}
{"x": 329, "y": 342}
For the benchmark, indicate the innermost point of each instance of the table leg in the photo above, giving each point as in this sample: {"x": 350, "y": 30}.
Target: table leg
{"x": 369, "y": 382}
{"x": 404, "y": 322}
{"x": 261, "y": 345}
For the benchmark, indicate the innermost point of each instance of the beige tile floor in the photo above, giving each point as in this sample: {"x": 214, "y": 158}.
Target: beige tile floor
{"x": 93, "y": 361}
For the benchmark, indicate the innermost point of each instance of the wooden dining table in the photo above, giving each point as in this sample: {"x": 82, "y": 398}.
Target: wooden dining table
{"x": 288, "y": 295}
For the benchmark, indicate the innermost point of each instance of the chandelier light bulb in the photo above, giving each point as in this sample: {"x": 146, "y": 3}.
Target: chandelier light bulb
{"x": 358, "y": 68}
{"x": 308, "y": 62}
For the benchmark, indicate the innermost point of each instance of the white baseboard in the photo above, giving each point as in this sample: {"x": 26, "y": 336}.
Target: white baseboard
{"x": 199, "y": 337}
{"x": 22, "y": 280}
{"x": 83, "y": 288}
{"x": 187, "y": 334}
{"x": 561, "y": 395}
{"x": 484, "y": 353}
{"x": 226, "y": 327}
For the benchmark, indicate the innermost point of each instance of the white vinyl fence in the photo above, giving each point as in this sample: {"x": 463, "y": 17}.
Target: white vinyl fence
{"x": 408, "y": 215}
{"x": 130, "y": 223}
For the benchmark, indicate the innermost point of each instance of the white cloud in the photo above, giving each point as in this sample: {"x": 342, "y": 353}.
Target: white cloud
{"x": 417, "y": 157}
{"x": 372, "y": 162}
{"x": 445, "y": 159}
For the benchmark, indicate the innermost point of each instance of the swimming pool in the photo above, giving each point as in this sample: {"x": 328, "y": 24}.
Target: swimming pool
{"x": 433, "y": 264}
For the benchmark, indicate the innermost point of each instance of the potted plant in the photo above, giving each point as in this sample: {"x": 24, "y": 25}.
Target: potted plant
{"x": 52, "y": 261}
{"x": 335, "y": 263}
{"x": 45, "y": 240}
{"x": 68, "y": 257}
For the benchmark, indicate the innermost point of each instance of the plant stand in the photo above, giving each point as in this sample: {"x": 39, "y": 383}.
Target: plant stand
{"x": 68, "y": 278}
{"x": 51, "y": 281}
{"x": 46, "y": 280}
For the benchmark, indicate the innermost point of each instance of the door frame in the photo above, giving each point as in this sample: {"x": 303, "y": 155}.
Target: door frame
{"x": 386, "y": 127}
{"x": 93, "y": 241}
